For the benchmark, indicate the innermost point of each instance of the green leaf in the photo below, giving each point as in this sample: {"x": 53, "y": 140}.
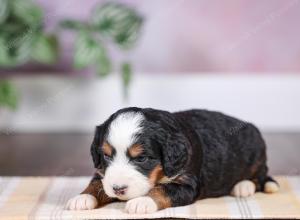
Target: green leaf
{"x": 20, "y": 48}
{"x": 103, "y": 66}
{"x": 103, "y": 17}
{"x": 27, "y": 11}
{"x": 126, "y": 71}
{"x": 14, "y": 28}
{"x": 8, "y": 95}
{"x": 118, "y": 22}
{"x": 3, "y": 10}
{"x": 128, "y": 31}
{"x": 45, "y": 49}
{"x": 87, "y": 51}
{"x": 73, "y": 25}
{"x": 21, "y": 34}
{"x": 16, "y": 50}
{"x": 5, "y": 59}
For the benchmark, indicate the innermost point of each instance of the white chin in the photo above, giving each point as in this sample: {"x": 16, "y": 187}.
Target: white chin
{"x": 123, "y": 198}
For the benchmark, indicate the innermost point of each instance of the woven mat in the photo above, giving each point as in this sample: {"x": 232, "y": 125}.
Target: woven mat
{"x": 44, "y": 198}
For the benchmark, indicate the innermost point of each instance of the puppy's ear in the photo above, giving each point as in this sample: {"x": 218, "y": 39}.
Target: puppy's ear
{"x": 174, "y": 153}
{"x": 168, "y": 135}
{"x": 95, "y": 147}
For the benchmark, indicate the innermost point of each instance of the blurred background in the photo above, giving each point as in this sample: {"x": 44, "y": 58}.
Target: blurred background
{"x": 65, "y": 66}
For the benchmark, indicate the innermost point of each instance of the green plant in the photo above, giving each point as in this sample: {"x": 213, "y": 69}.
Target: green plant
{"x": 8, "y": 95}
{"x": 22, "y": 38}
{"x": 110, "y": 24}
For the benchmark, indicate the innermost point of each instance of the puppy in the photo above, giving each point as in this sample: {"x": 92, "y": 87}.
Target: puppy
{"x": 156, "y": 159}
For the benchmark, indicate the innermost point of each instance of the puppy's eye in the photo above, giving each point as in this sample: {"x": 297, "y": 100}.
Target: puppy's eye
{"x": 107, "y": 157}
{"x": 140, "y": 159}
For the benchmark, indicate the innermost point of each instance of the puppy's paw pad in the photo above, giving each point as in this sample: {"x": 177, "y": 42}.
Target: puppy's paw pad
{"x": 141, "y": 205}
{"x": 82, "y": 202}
{"x": 243, "y": 188}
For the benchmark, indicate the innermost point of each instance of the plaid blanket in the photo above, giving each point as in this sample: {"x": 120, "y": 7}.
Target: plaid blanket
{"x": 45, "y": 197}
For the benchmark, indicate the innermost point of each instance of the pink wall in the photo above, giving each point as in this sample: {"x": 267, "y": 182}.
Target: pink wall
{"x": 203, "y": 35}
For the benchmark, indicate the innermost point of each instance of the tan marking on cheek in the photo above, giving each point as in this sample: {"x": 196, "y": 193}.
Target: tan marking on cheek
{"x": 107, "y": 149}
{"x": 95, "y": 188}
{"x": 135, "y": 150}
{"x": 155, "y": 175}
{"x": 160, "y": 198}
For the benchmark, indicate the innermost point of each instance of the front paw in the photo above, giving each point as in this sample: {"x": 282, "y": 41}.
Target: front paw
{"x": 141, "y": 205}
{"x": 243, "y": 188}
{"x": 82, "y": 202}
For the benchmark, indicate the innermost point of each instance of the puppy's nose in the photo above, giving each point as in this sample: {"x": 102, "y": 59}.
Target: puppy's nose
{"x": 119, "y": 190}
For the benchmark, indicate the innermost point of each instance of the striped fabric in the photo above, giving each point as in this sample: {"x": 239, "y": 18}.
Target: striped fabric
{"x": 44, "y": 198}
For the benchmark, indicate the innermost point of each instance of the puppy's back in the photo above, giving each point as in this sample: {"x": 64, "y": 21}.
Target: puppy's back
{"x": 231, "y": 150}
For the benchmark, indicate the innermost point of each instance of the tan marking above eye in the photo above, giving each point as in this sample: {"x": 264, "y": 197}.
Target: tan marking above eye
{"x": 135, "y": 150}
{"x": 107, "y": 149}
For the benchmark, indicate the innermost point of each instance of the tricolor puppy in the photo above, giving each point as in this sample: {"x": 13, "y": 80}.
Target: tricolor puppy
{"x": 156, "y": 159}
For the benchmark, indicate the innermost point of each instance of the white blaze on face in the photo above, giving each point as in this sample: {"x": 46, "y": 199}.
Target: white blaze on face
{"x": 121, "y": 135}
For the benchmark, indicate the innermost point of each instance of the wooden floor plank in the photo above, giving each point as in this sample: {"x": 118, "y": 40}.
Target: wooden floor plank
{"x": 68, "y": 154}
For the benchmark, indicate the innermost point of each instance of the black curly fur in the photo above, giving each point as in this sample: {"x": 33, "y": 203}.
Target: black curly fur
{"x": 208, "y": 151}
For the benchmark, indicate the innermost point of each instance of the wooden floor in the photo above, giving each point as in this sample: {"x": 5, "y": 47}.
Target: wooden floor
{"x": 68, "y": 154}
